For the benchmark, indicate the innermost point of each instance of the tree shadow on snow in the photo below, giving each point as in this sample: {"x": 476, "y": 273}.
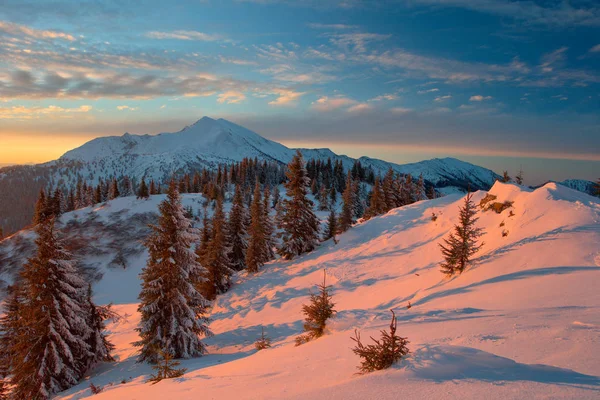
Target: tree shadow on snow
{"x": 446, "y": 363}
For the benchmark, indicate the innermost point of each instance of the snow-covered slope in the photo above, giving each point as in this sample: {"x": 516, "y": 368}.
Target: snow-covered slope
{"x": 522, "y": 322}
{"x": 582, "y": 185}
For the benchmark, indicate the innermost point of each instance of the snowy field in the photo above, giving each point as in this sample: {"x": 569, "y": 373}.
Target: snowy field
{"x": 522, "y": 323}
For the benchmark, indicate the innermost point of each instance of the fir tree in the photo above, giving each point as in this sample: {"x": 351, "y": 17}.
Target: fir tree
{"x": 166, "y": 367}
{"x": 13, "y": 330}
{"x": 40, "y": 213}
{"x": 268, "y": 229}
{"x": 331, "y": 229}
{"x": 256, "y": 244}
{"x": 597, "y": 188}
{"x": 299, "y": 222}
{"x": 173, "y": 312}
{"x": 384, "y": 352}
{"x": 377, "y": 203}
{"x": 264, "y": 342}
{"x": 505, "y": 177}
{"x": 127, "y": 187}
{"x": 99, "y": 345}
{"x": 143, "y": 191}
{"x": 347, "y": 215}
{"x": 53, "y": 354}
{"x": 317, "y": 313}
{"x": 237, "y": 227}
{"x": 461, "y": 245}
{"x": 218, "y": 264}
{"x": 519, "y": 177}
{"x": 113, "y": 192}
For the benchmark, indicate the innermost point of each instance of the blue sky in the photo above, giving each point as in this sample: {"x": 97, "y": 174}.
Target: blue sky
{"x": 501, "y": 83}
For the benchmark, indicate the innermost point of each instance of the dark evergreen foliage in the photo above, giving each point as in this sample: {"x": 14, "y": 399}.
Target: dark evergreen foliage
{"x": 461, "y": 245}
{"x": 166, "y": 367}
{"x": 317, "y": 312}
{"x": 383, "y": 353}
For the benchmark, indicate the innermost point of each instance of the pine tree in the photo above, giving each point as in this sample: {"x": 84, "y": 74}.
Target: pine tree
{"x": 347, "y": 215}
{"x": 113, "y": 192}
{"x": 99, "y": 345}
{"x": 299, "y": 222}
{"x": 377, "y": 204}
{"x": 264, "y": 342}
{"x": 331, "y": 229}
{"x": 256, "y": 244}
{"x": 166, "y": 367}
{"x": 384, "y": 352}
{"x": 173, "y": 312}
{"x": 505, "y": 177}
{"x": 268, "y": 228}
{"x": 53, "y": 354}
{"x": 143, "y": 191}
{"x": 317, "y": 313}
{"x": 218, "y": 263}
{"x": 13, "y": 332}
{"x": 462, "y": 244}
{"x": 237, "y": 227}
{"x": 40, "y": 213}
{"x": 519, "y": 177}
{"x": 597, "y": 188}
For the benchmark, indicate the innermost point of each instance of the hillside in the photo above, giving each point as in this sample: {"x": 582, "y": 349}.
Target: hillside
{"x": 523, "y": 320}
{"x": 202, "y": 145}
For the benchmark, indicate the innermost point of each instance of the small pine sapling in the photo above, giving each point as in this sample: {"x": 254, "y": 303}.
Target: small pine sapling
{"x": 434, "y": 217}
{"x": 384, "y": 352}
{"x": 166, "y": 368}
{"x": 264, "y": 342}
{"x": 317, "y": 313}
{"x": 95, "y": 389}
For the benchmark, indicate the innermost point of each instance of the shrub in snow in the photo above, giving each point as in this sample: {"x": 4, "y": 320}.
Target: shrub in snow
{"x": 383, "y": 353}
{"x": 434, "y": 217}
{"x": 264, "y": 342}
{"x": 461, "y": 245}
{"x": 165, "y": 367}
{"x": 95, "y": 389}
{"x": 317, "y": 313}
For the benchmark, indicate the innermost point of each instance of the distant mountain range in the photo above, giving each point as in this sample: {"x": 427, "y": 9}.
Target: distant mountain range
{"x": 204, "y": 144}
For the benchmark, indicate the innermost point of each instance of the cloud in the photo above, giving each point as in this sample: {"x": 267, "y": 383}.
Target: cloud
{"x": 231, "y": 97}
{"x": 359, "y": 108}
{"x": 329, "y": 104}
{"x": 428, "y": 91}
{"x": 285, "y": 97}
{"x": 443, "y": 98}
{"x": 22, "y": 112}
{"x": 236, "y": 61}
{"x": 384, "y": 97}
{"x": 183, "y": 35}
{"x": 19, "y": 30}
{"x": 554, "y": 59}
{"x": 356, "y": 41}
{"x": 127, "y": 108}
{"x": 400, "y": 110}
{"x": 331, "y": 26}
{"x": 479, "y": 98}
{"x": 104, "y": 84}
{"x": 595, "y": 49}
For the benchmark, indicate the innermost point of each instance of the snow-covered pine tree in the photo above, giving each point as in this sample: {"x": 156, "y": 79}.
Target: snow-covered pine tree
{"x": 173, "y": 311}
{"x": 598, "y": 188}
{"x": 256, "y": 243}
{"x": 218, "y": 263}
{"x": 323, "y": 198}
{"x": 299, "y": 222}
{"x": 143, "y": 192}
{"x": 54, "y": 354}
{"x": 127, "y": 187}
{"x": 317, "y": 313}
{"x": 40, "y": 212}
{"x": 461, "y": 245}
{"x": 331, "y": 229}
{"x": 13, "y": 333}
{"x": 347, "y": 214}
{"x": 237, "y": 231}
{"x": 166, "y": 367}
{"x": 99, "y": 345}
{"x": 268, "y": 228}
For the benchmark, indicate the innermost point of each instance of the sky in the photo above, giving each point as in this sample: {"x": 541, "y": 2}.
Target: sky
{"x": 503, "y": 84}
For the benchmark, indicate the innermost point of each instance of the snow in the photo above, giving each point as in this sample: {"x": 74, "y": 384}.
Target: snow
{"x": 522, "y": 322}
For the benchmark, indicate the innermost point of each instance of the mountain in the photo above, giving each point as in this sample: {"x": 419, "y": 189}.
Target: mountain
{"x": 522, "y": 322}
{"x": 204, "y": 144}
{"x": 582, "y": 185}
